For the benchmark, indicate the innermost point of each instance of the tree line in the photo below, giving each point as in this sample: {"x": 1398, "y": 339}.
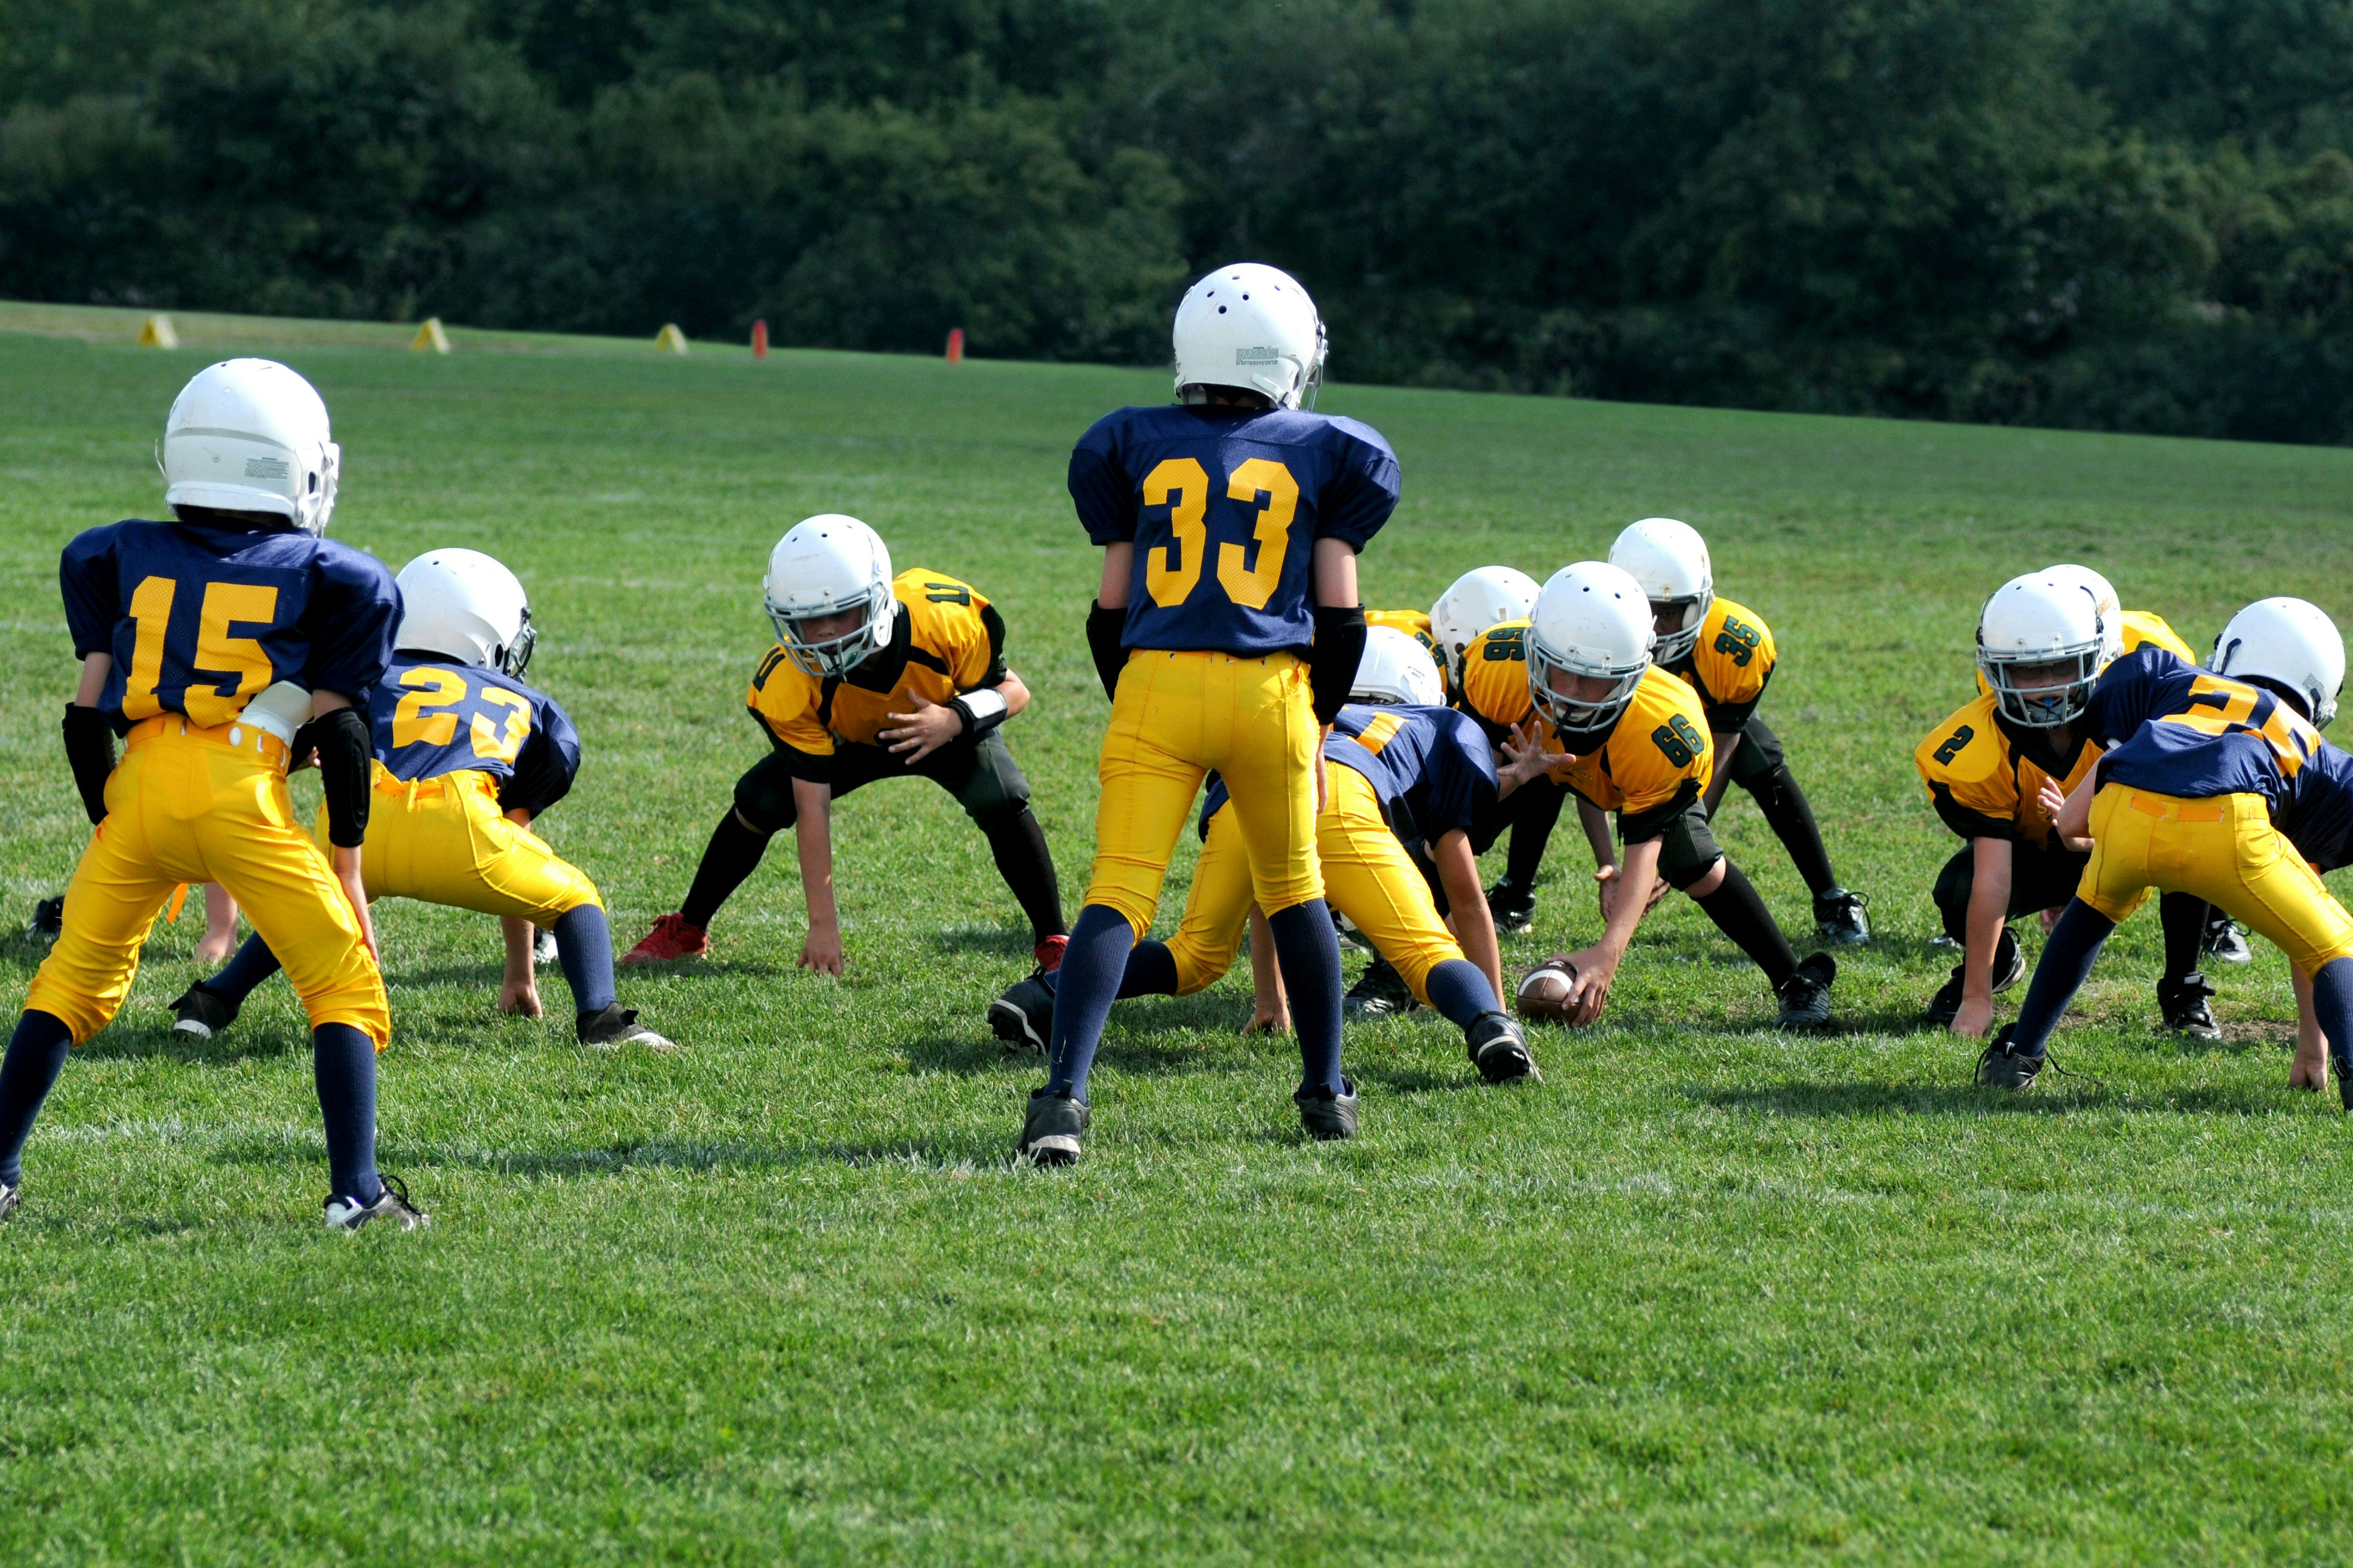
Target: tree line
{"x": 2131, "y": 214}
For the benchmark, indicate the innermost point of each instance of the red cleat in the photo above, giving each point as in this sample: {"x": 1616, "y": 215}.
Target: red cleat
{"x": 671, "y": 939}
{"x": 1049, "y": 954}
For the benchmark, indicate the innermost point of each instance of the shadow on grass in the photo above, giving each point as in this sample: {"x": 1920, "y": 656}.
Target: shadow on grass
{"x": 145, "y": 1042}
{"x": 2064, "y": 1096}
{"x": 1004, "y": 942}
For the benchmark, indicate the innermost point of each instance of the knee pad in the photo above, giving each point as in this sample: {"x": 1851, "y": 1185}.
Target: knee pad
{"x": 765, "y": 794}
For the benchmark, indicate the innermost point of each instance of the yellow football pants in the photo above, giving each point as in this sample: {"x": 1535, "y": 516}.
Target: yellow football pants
{"x": 1368, "y": 876}
{"x": 1177, "y": 716}
{"x": 2223, "y": 849}
{"x": 444, "y": 841}
{"x": 186, "y": 806}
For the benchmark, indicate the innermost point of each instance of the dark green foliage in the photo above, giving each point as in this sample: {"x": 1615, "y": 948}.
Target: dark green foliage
{"x": 2128, "y": 214}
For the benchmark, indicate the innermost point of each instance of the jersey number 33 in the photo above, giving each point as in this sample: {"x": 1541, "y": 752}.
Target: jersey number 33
{"x": 1173, "y": 571}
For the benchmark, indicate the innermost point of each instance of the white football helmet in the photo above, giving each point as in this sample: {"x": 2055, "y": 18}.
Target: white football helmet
{"x": 1397, "y": 669}
{"x": 1252, "y": 326}
{"x": 2035, "y": 620}
{"x": 2291, "y": 642}
{"x": 2103, "y": 599}
{"x": 249, "y": 435}
{"x": 1591, "y": 619}
{"x": 824, "y": 565}
{"x": 1670, "y": 560}
{"x": 1486, "y": 597}
{"x": 465, "y": 606}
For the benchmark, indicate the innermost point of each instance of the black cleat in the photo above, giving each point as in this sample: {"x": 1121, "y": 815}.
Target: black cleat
{"x": 2183, "y": 1003}
{"x": 10, "y": 1196}
{"x": 2344, "y": 1098}
{"x": 1838, "y": 915}
{"x": 1051, "y": 1129}
{"x": 614, "y": 1027}
{"x": 1499, "y": 1049}
{"x": 2009, "y": 969}
{"x": 2003, "y": 1067}
{"x": 1513, "y": 907}
{"x": 2224, "y": 941}
{"x": 391, "y": 1203}
{"x": 1024, "y": 1017}
{"x": 1806, "y": 995}
{"x": 49, "y": 920}
{"x": 1328, "y": 1118}
{"x": 202, "y": 1013}
{"x": 1379, "y": 993}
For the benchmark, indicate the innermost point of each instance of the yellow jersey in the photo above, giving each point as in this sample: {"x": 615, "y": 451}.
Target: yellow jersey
{"x": 1414, "y": 624}
{"x": 1729, "y": 665}
{"x": 1986, "y": 777}
{"x": 1495, "y": 679}
{"x": 944, "y": 640}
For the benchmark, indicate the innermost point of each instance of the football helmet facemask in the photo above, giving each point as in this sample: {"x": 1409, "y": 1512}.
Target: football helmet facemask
{"x": 1477, "y": 600}
{"x": 249, "y": 435}
{"x": 1670, "y": 560}
{"x": 825, "y": 565}
{"x": 1249, "y": 326}
{"x": 2290, "y": 643}
{"x": 1396, "y": 668}
{"x": 1593, "y": 620}
{"x": 466, "y": 606}
{"x": 2041, "y": 644}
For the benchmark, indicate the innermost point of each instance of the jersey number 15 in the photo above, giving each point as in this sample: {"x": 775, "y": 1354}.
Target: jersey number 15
{"x": 1173, "y": 571}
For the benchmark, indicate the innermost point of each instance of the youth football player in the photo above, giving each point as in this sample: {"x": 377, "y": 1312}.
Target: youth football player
{"x": 1397, "y": 767}
{"x": 873, "y": 677}
{"x": 1625, "y": 736}
{"x": 2041, "y": 641}
{"x": 1227, "y": 630}
{"x": 1480, "y": 599}
{"x": 465, "y": 755}
{"x": 2199, "y": 772}
{"x": 1724, "y": 652}
{"x": 205, "y": 642}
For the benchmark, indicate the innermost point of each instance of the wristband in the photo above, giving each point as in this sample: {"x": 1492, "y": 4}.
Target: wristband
{"x": 983, "y": 710}
{"x": 1332, "y": 662}
{"x": 90, "y": 751}
{"x": 344, "y": 774}
{"x": 1105, "y": 629}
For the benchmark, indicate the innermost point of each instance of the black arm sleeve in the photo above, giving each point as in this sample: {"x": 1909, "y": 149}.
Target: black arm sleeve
{"x": 1332, "y": 662}
{"x": 1105, "y": 630}
{"x": 89, "y": 749}
{"x": 1967, "y": 823}
{"x": 993, "y": 625}
{"x": 539, "y": 778}
{"x": 343, "y": 758}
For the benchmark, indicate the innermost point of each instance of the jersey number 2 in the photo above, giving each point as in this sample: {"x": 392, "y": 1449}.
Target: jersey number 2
{"x": 1173, "y": 571}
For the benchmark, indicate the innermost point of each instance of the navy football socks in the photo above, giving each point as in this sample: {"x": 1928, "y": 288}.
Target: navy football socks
{"x": 36, "y": 1054}
{"x": 584, "y": 946}
{"x": 1308, "y": 949}
{"x": 1458, "y": 990}
{"x": 1084, "y": 988}
{"x": 342, "y": 1063}
{"x": 1151, "y": 972}
{"x": 252, "y": 963}
{"x": 2066, "y": 963}
{"x": 2332, "y": 1006}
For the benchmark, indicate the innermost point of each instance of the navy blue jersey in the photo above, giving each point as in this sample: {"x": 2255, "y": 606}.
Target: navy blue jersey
{"x": 2318, "y": 816}
{"x": 1223, "y": 506}
{"x": 434, "y": 716}
{"x": 2170, "y": 727}
{"x": 1430, "y": 767}
{"x": 200, "y": 619}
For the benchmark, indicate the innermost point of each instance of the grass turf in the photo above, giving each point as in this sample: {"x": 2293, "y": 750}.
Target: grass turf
{"x": 1706, "y": 1294}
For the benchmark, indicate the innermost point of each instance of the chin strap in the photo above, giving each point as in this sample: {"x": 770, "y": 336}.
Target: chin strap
{"x": 344, "y": 756}
{"x": 90, "y": 749}
{"x": 1332, "y": 662}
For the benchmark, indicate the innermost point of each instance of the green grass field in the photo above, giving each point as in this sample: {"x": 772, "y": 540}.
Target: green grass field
{"x": 1707, "y": 1294}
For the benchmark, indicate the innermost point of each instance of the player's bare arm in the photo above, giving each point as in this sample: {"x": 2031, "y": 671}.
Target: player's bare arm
{"x": 1473, "y": 923}
{"x": 1596, "y": 967}
{"x": 2311, "y": 1069}
{"x": 344, "y": 861}
{"x": 813, "y": 837}
{"x": 519, "y": 986}
{"x": 1988, "y": 912}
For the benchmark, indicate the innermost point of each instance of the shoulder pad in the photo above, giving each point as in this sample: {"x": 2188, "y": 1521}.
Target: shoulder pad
{"x": 1967, "y": 747}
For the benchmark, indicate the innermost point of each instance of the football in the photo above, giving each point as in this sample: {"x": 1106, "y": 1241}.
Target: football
{"x": 1544, "y": 994}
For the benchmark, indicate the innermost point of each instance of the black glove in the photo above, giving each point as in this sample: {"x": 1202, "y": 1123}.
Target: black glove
{"x": 89, "y": 749}
{"x": 1332, "y": 662}
{"x": 345, "y": 755}
{"x": 1104, "y": 629}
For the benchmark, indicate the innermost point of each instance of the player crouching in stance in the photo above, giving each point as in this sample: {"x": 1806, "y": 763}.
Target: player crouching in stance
{"x": 1396, "y": 762}
{"x": 465, "y": 756}
{"x": 207, "y": 641}
{"x": 1483, "y": 597}
{"x": 871, "y": 678}
{"x": 1724, "y": 652}
{"x": 2207, "y": 783}
{"x": 1994, "y": 771}
{"x": 1227, "y": 630}
{"x": 1626, "y": 736}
